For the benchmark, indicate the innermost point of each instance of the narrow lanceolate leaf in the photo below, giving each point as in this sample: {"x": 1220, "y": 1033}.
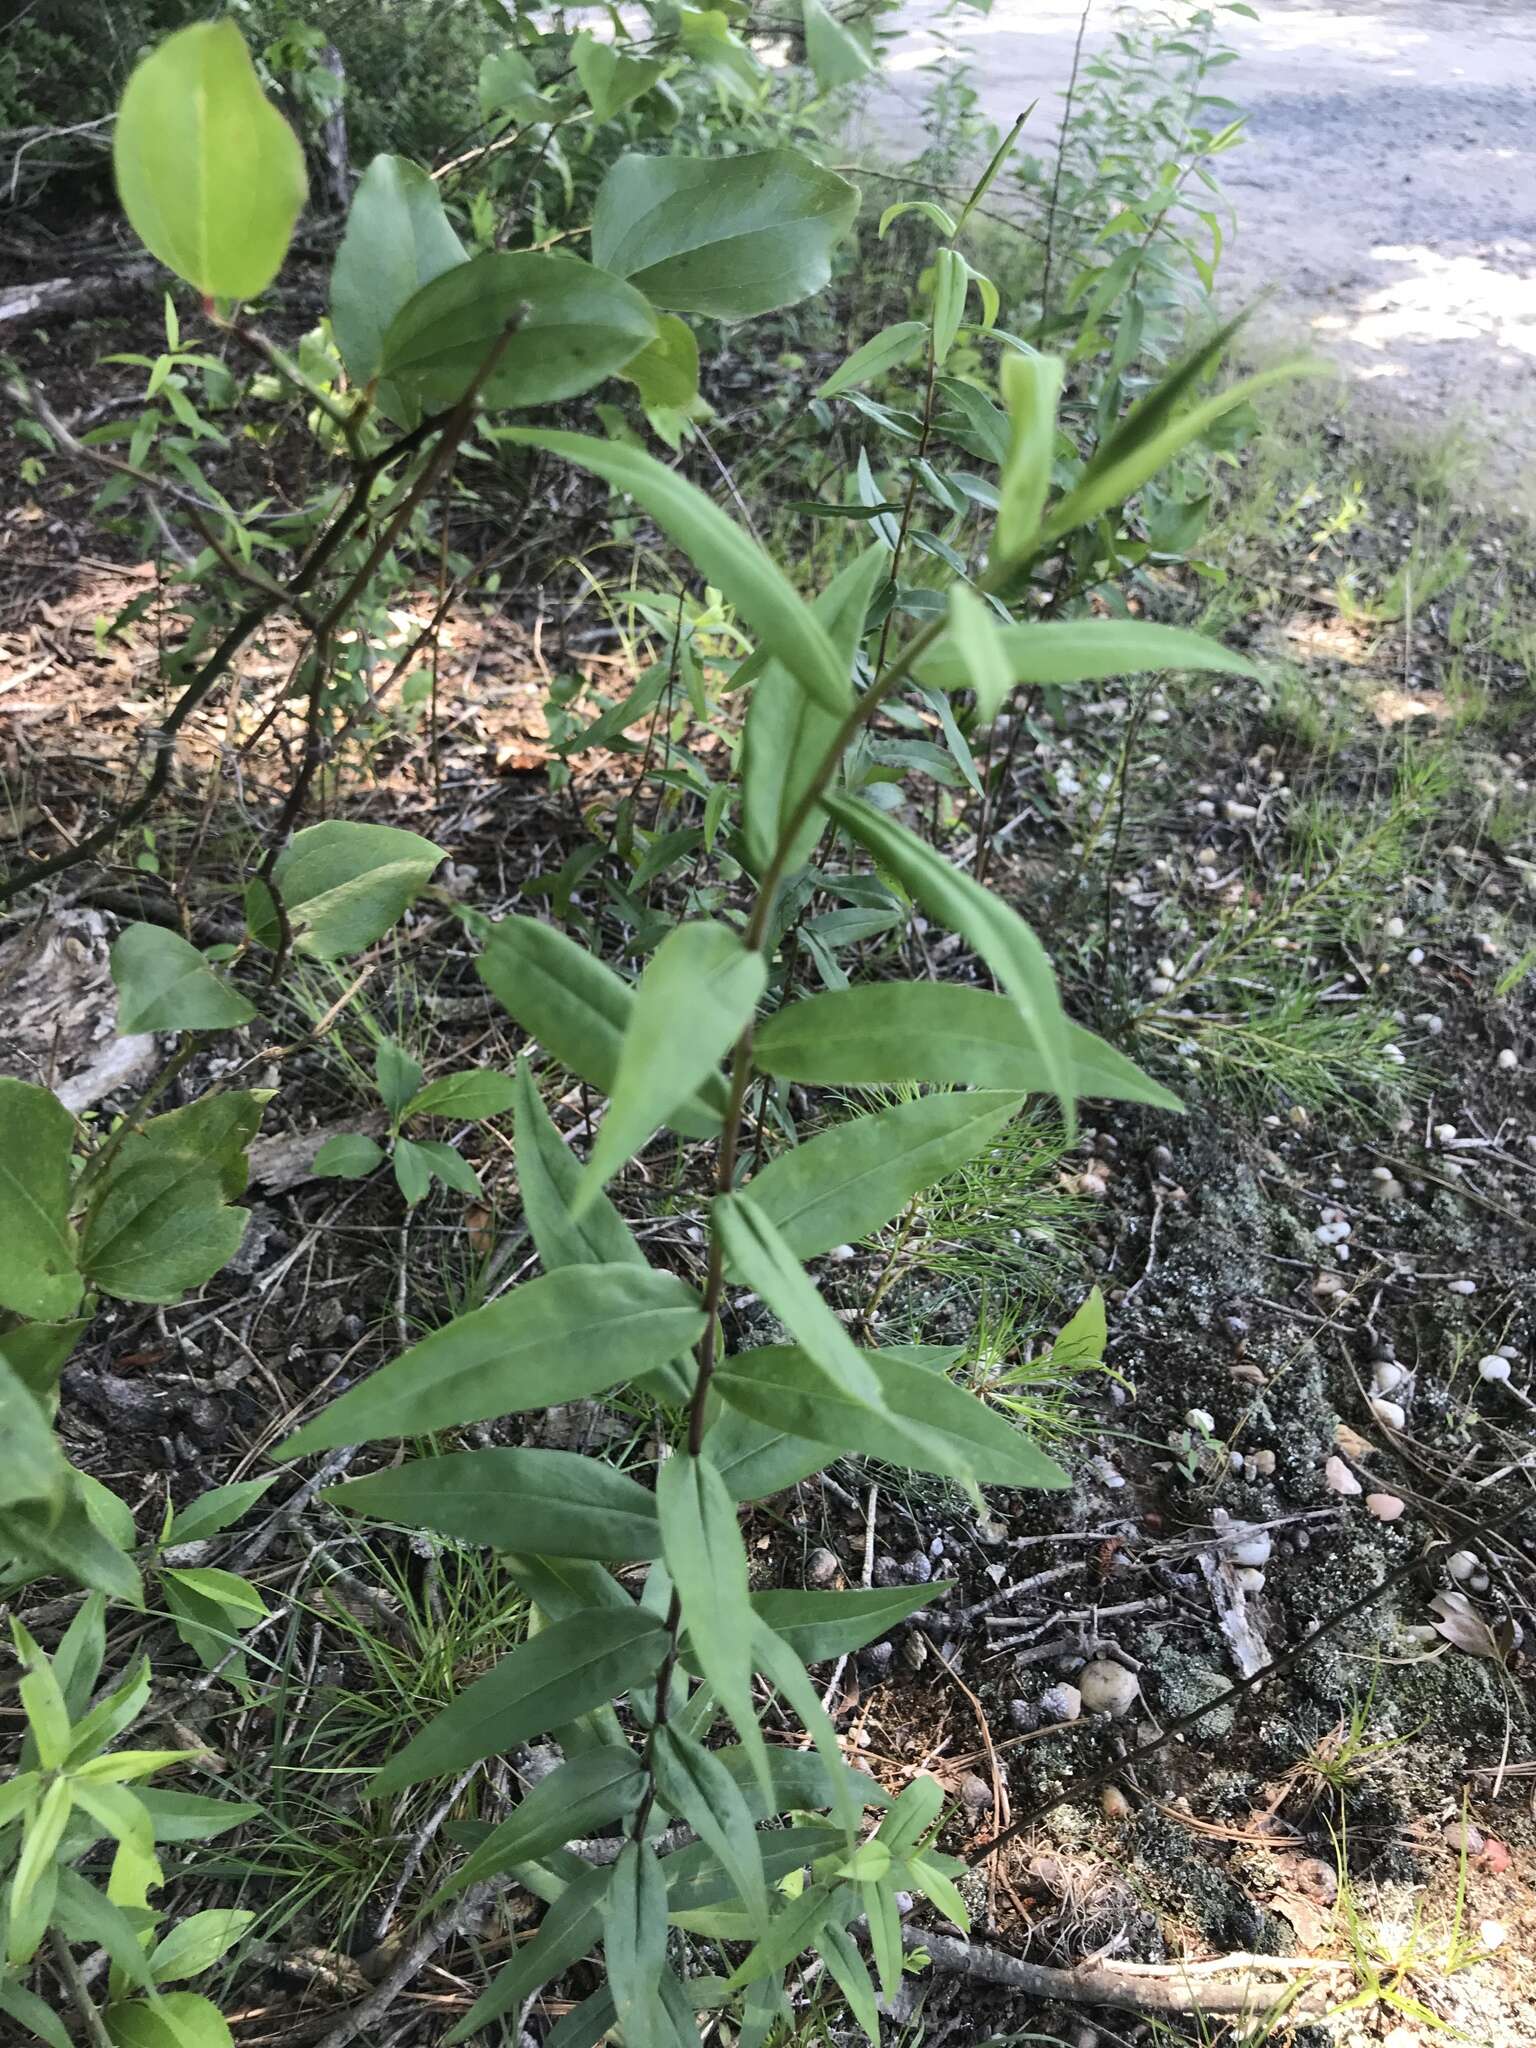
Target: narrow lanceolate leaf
{"x": 398, "y": 238}
{"x": 884, "y": 1920}
{"x": 785, "y": 1670}
{"x": 788, "y": 733}
{"x": 951, "y": 280}
{"x": 635, "y": 1946}
{"x": 163, "y": 984}
{"x": 912, "y": 1814}
{"x": 998, "y": 933}
{"x": 757, "y": 1459}
{"x": 750, "y": 579}
{"x": 547, "y": 1175}
{"x": 542, "y": 1501}
{"x": 819, "y": 1626}
{"x": 1031, "y": 390}
{"x": 210, "y": 174}
{"x": 702, "y": 1546}
{"x": 728, "y": 236}
{"x": 846, "y": 1967}
{"x": 793, "y": 1931}
{"x": 693, "y": 1001}
{"x": 927, "y": 1422}
{"x": 1070, "y": 651}
{"x": 887, "y": 350}
{"x": 571, "y": 325}
{"x": 582, "y": 1795}
{"x": 554, "y": 1339}
{"x": 563, "y": 1671}
{"x": 469, "y": 1097}
{"x": 973, "y": 636}
{"x": 38, "y": 1275}
{"x": 840, "y": 1186}
{"x": 935, "y": 1031}
{"x": 577, "y": 1008}
{"x": 758, "y": 1256}
{"x": 572, "y": 1926}
{"x": 695, "y": 1786}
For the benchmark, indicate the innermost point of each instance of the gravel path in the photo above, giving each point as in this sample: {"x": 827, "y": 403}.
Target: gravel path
{"x": 1387, "y": 191}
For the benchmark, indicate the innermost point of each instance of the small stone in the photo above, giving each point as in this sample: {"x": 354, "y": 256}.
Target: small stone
{"x": 1200, "y": 1419}
{"x": 1394, "y": 928}
{"x": 1387, "y": 1375}
{"x": 1416, "y": 956}
{"x": 1339, "y": 1477}
{"x": 1250, "y": 1580}
{"x": 1251, "y": 1547}
{"x": 975, "y": 1792}
{"x": 1463, "y": 1837}
{"x": 1239, "y": 813}
{"x": 1388, "y": 1413}
{"x": 1394, "y": 1055}
{"x": 878, "y": 1657}
{"x": 914, "y": 1649}
{"x": 1061, "y": 1703}
{"x": 1113, "y": 1804}
{"x": 1463, "y": 1565}
{"x": 1024, "y": 1715}
{"x": 1507, "y": 1061}
{"x": 1106, "y": 1687}
{"x": 821, "y": 1568}
{"x": 1492, "y": 1933}
{"x": 1461, "y": 1287}
{"x": 1159, "y": 985}
{"x": 1263, "y": 1463}
{"x": 842, "y": 1253}
{"x": 917, "y": 1568}
{"x": 1445, "y": 1134}
{"x": 1386, "y": 1507}
{"x": 1206, "y": 857}
{"x": 887, "y": 1572}
{"x": 1493, "y": 1367}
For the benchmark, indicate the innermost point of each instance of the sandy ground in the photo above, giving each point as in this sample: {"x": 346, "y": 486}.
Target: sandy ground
{"x": 1387, "y": 191}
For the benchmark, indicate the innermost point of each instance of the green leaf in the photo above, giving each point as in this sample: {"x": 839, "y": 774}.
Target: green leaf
{"x": 188, "y": 1817}
{"x": 344, "y": 885}
{"x": 635, "y": 1946}
{"x": 997, "y": 932}
{"x": 610, "y": 79}
{"x": 951, "y": 281}
{"x": 552, "y": 1502}
{"x": 210, "y": 175}
{"x": 693, "y": 1001}
{"x": 836, "y": 55}
{"x": 32, "y": 1467}
{"x": 38, "y": 1276}
{"x": 509, "y": 85}
{"x": 758, "y": 1256}
{"x": 728, "y": 236}
{"x": 571, "y": 1927}
{"x": 572, "y": 326}
{"x": 159, "y": 1228}
{"x": 81, "y": 1653}
{"x": 216, "y": 1130}
{"x": 936, "y": 1887}
{"x": 926, "y": 1423}
{"x": 934, "y": 1031}
{"x": 86, "y": 1915}
{"x": 218, "y": 1509}
{"x": 846, "y": 1968}
{"x": 792, "y": 1932}
{"x": 396, "y": 1074}
{"x": 695, "y": 1786}
{"x": 914, "y": 1811}
{"x": 163, "y": 984}
{"x": 666, "y": 371}
{"x": 547, "y": 1176}
{"x": 68, "y": 1542}
{"x": 928, "y": 208}
{"x": 788, "y": 732}
{"x": 180, "y": 2019}
{"x": 707, "y": 1559}
{"x": 818, "y": 1626}
{"x": 563, "y": 1671}
{"x": 196, "y": 1943}
{"x": 1081, "y": 1340}
{"x": 41, "y": 1832}
{"x": 37, "y": 1352}
{"x": 758, "y": 1459}
{"x": 1032, "y": 391}
{"x": 398, "y": 239}
{"x": 237, "y": 1596}
{"x": 569, "y": 1333}
{"x": 350, "y": 1155}
{"x": 29, "y": 2011}
{"x": 577, "y": 1008}
{"x": 450, "y": 1167}
{"x": 888, "y": 350}
{"x": 42, "y": 1700}
{"x": 717, "y": 547}
{"x": 1082, "y": 651}
{"x": 884, "y": 1918}
{"x": 801, "y": 1779}
{"x": 843, "y": 1185}
{"x": 978, "y": 647}
{"x": 413, "y": 1171}
{"x": 579, "y": 1797}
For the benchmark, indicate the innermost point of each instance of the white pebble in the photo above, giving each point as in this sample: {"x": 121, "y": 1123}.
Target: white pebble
{"x": 1205, "y": 808}
{"x": 1506, "y": 1061}
{"x": 1263, "y": 1463}
{"x": 1388, "y": 1375}
{"x": 1107, "y": 1687}
{"x": 1201, "y": 1419}
{"x": 1394, "y": 1055}
{"x": 1445, "y": 1134}
{"x": 1339, "y": 1477}
{"x": 1394, "y": 928}
{"x": 1251, "y": 1547}
{"x": 1461, "y": 1287}
{"x": 1250, "y": 1580}
{"x": 1386, "y": 1507}
{"x": 1387, "y": 1413}
{"x": 1493, "y": 1367}
{"x": 1382, "y": 1173}
{"x": 1206, "y": 857}
{"x": 1463, "y": 1565}
{"x": 1166, "y": 966}
{"x": 1239, "y": 814}
{"x": 1159, "y": 985}
{"x": 1416, "y": 956}
{"x": 1492, "y": 1933}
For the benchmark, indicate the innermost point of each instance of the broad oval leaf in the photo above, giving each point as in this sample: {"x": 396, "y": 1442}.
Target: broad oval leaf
{"x": 350, "y": 1155}
{"x": 33, "y": 1468}
{"x": 165, "y": 984}
{"x": 561, "y": 1672}
{"x": 553, "y": 1339}
{"x": 196, "y": 1943}
{"x": 840, "y": 1186}
{"x": 719, "y": 550}
{"x": 928, "y": 1424}
{"x": 159, "y": 1227}
{"x": 573, "y": 326}
{"x": 835, "y": 54}
{"x": 398, "y": 239}
{"x": 609, "y": 78}
{"x": 580, "y": 1796}
{"x": 38, "y": 1273}
{"x": 695, "y": 998}
{"x": 575, "y": 1006}
{"x": 1069, "y": 651}
{"x": 469, "y": 1097}
{"x": 666, "y": 371}
{"x": 210, "y": 174}
{"x": 997, "y": 932}
{"x": 545, "y": 1501}
{"x": 344, "y": 885}
{"x": 935, "y": 1031}
{"x": 177, "y": 2019}
{"x": 215, "y": 1130}
{"x": 728, "y": 236}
